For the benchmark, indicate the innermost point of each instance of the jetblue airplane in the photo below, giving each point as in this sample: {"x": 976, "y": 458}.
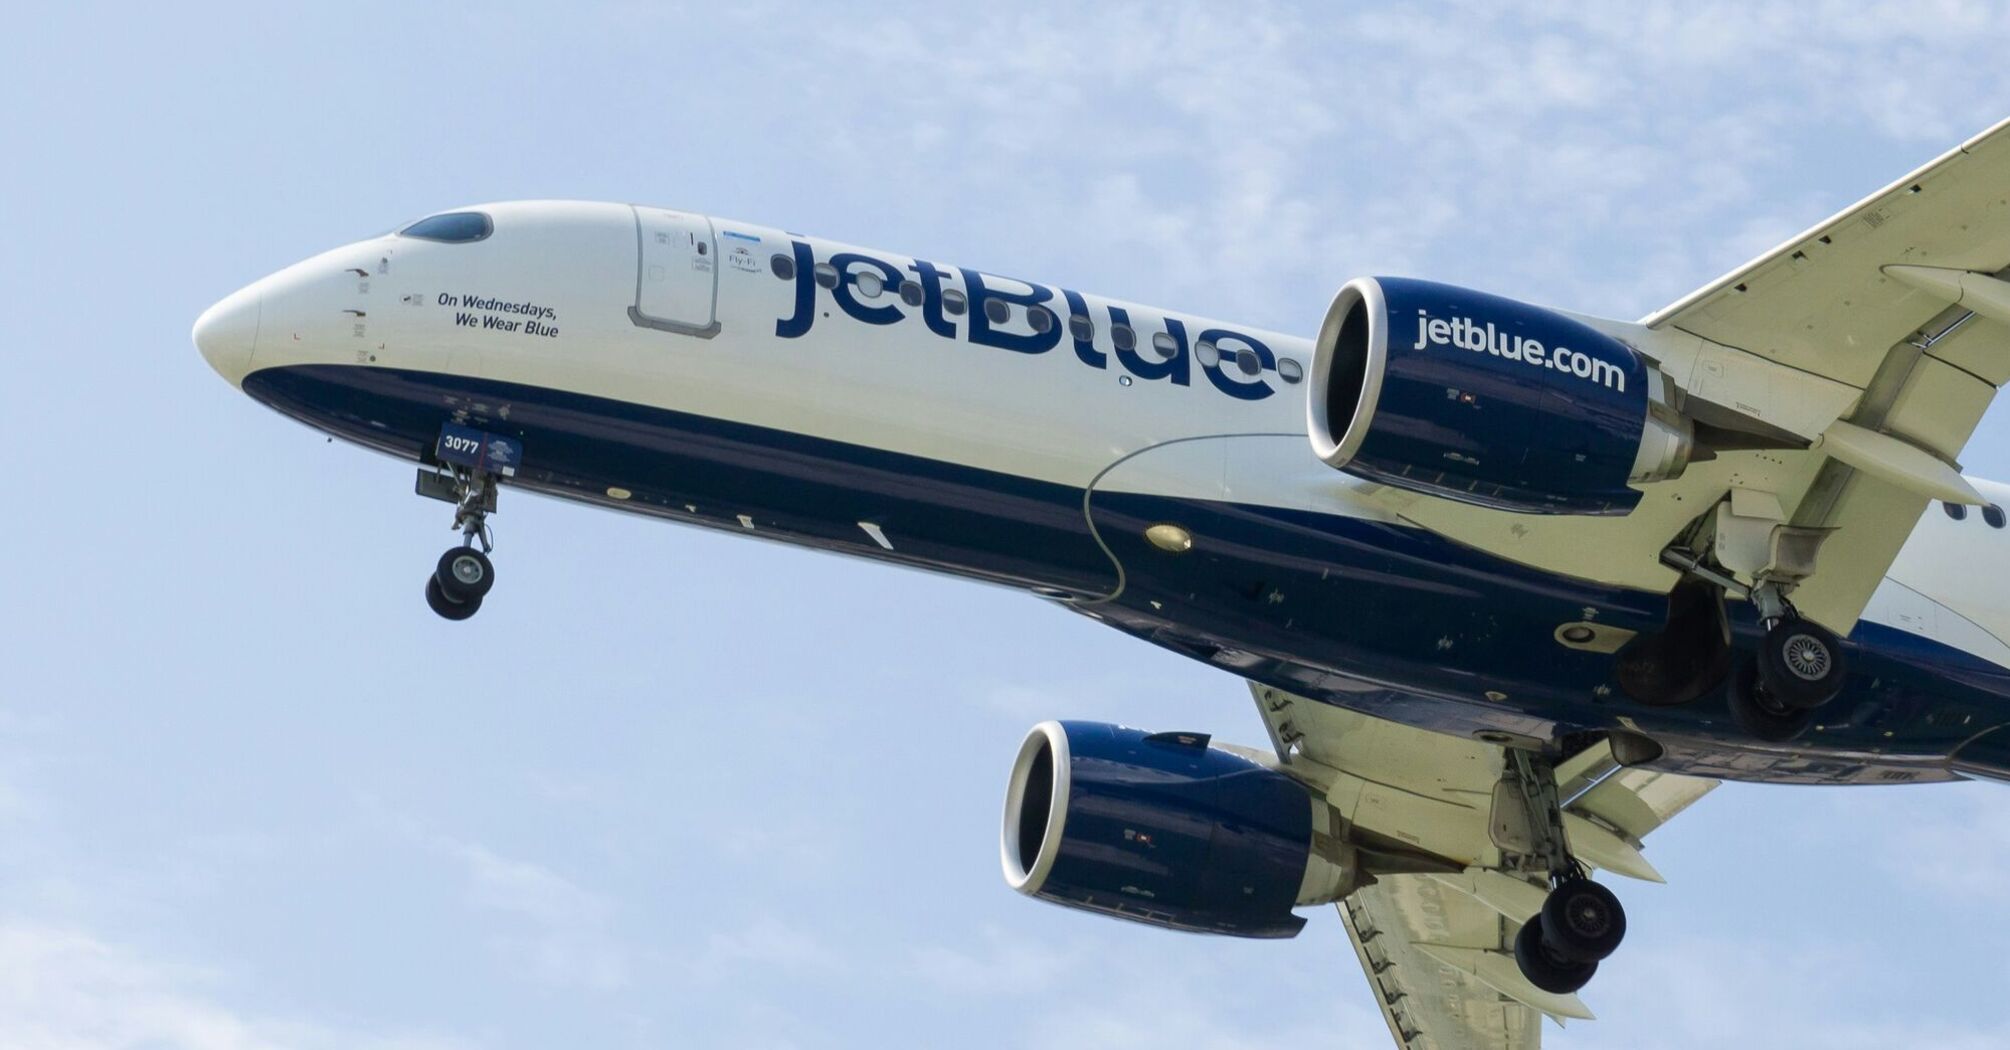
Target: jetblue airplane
{"x": 1510, "y": 586}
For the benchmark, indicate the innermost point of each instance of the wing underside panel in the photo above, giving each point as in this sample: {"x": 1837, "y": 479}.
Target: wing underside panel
{"x": 1438, "y": 946}
{"x": 1429, "y": 1005}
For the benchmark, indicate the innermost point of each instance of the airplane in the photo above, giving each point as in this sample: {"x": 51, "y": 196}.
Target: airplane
{"x": 1510, "y": 586}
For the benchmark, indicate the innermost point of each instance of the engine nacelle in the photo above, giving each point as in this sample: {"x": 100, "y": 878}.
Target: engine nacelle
{"x": 1163, "y": 829}
{"x": 1484, "y": 400}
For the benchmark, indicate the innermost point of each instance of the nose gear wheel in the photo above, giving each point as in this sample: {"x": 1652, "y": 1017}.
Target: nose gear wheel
{"x": 463, "y": 575}
{"x": 449, "y": 608}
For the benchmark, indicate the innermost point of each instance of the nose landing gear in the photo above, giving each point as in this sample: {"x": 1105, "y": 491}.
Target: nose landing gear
{"x": 471, "y": 465}
{"x": 456, "y": 587}
{"x": 464, "y": 574}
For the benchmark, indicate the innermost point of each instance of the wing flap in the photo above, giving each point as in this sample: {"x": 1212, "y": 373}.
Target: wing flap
{"x": 1871, "y": 520}
{"x": 1637, "y": 801}
{"x": 1429, "y": 1004}
{"x": 1496, "y": 969}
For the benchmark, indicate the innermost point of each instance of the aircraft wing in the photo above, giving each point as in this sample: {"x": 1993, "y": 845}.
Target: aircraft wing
{"x": 1878, "y": 298}
{"x": 1438, "y": 947}
{"x": 1877, "y": 338}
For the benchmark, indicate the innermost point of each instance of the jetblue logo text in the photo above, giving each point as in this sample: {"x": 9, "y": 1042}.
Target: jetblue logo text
{"x": 1021, "y": 317}
{"x": 1468, "y": 334}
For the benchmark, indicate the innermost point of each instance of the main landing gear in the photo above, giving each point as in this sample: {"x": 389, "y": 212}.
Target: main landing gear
{"x": 1797, "y": 666}
{"x": 464, "y": 574}
{"x": 1581, "y": 923}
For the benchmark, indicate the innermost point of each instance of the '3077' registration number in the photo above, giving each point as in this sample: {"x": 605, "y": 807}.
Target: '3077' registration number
{"x": 478, "y": 450}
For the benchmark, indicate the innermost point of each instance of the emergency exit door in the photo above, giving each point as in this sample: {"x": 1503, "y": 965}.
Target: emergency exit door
{"x": 677, "y": 273}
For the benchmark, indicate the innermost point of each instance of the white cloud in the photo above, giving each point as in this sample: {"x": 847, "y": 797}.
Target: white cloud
{"x": 783, "y": 841}
{"x": 561, "y": 938}
{"x": 1148, "y": 1012}
{"x": 1246, "y": 159}
{"x": 1028, "y": 703}
{"x": 1959, "y": 847}
{"x": 1759, "y": 991}
{"x": 63, "y": 989}
{"x": 768, "y": 943}
{"x": 1001, "y": 964}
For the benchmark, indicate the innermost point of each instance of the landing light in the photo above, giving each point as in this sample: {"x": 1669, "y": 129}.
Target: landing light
{"x": 1170, "y": 538}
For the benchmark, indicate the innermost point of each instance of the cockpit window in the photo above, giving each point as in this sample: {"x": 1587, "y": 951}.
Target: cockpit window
{"x": 454, "y": 227}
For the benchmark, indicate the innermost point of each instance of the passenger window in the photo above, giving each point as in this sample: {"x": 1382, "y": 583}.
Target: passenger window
{"x": 454, "y": 227}
{"x": 1955, "y": 510}
{"x": 1040, "y": 318}
{"x": 1124, "y": 337}
{"x": 1993, "y": 514}
{"x": 1165, "y": 344}
{"x": 1290, "y": 371}
{"x": 827, "y": 275}
{"x": 1206, "y": 353}
{"x": 996, "y": 311}
{"x": 910, "y": 293}
{"x": 1247, "y": 360}
{"x": 953, "y": 302}
{"x": 783, "y": 266}
{"x": 869, "y": 284}
{"x": 1081, "y": 329}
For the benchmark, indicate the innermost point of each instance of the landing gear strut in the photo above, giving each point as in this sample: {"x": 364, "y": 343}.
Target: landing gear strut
{"x": 1798, "y": 665}
{"x": 1581, "y": 923}
{"x": 464, "y": 574}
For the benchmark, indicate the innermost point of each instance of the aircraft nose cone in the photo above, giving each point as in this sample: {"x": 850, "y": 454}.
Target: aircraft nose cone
{"x": 227, "y": 333}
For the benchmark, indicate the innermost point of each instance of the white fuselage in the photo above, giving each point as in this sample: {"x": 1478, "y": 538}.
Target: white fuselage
{"x": 749, "y": 325}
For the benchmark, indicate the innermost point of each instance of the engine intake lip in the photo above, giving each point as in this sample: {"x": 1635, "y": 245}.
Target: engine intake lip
{"x": 1036, "y": 808}
{"x": 1348, "y": 363}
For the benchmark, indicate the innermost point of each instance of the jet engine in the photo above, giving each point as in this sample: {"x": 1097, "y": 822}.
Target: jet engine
{"x": 1166, "y": 830}
{"x": 1484, "y": 400}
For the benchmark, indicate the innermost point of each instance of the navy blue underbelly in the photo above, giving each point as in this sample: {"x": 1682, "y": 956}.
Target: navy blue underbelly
{"x": 1390, "y": 620}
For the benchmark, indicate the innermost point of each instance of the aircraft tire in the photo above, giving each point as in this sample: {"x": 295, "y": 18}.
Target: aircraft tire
{"x": 1801, "y": 664}
{"x": 1582, "y": 921}
{"x": 448, "y": 608}
{"x": 1540, "y": 964}
{"x": 465, "y": 574}
{"x": 1758, "y": 713}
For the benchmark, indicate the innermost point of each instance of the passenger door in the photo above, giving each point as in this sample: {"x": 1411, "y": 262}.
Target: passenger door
{"x": 677, "y": 273}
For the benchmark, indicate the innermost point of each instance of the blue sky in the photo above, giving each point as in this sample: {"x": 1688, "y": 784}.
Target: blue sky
{"x": 676, "y": 789}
